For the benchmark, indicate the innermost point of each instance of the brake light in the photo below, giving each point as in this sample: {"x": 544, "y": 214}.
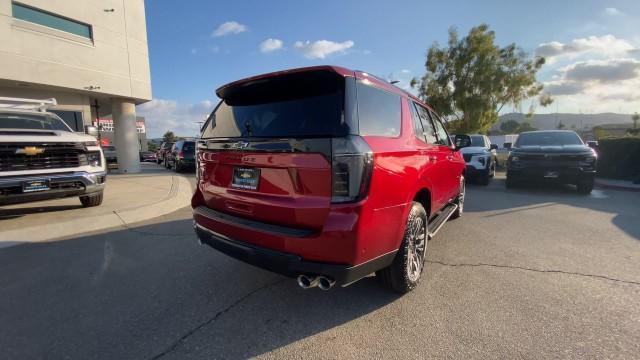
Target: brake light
{"x": 180, "y": 154}
{"x": 351, "y": 168}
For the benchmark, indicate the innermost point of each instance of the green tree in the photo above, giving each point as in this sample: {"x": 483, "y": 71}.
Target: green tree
{"x": 169, "y": 136}
{"x": 152, "y": 146}
{"x": 471, "y": 79}
{"x": 509, "y": 126}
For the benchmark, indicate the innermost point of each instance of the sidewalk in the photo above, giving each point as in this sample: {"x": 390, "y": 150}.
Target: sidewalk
{"x": 128, "y": 199}
{"x": 617, "y": 184}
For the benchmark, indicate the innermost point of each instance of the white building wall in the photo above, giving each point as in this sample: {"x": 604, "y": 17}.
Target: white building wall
{"x": 116, "y": 60}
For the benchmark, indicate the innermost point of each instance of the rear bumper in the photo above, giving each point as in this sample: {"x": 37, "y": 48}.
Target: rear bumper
{"x": 289, "y": 264}
{"x": 62, "y": 185}
{"x": 568, "y": 175}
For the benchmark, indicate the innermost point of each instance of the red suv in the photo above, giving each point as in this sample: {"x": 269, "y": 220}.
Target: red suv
{"x": 327, "y": 175}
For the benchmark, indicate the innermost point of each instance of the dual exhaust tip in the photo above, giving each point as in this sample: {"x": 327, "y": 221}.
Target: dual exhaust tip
{"x": 311, "y": 281}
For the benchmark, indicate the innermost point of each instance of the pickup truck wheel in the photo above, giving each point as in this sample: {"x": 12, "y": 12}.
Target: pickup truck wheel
{"x": 510, "y": 183}
{"x": 403, "y": 275}
{"x": 178, "y": 166}
{"x": 585, "y": 187}
{"x": 460, "y": 200}
{"x": 92, "y": 200}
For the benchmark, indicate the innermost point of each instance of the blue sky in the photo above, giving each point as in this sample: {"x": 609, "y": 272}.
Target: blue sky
{"x": 199, "y": 45}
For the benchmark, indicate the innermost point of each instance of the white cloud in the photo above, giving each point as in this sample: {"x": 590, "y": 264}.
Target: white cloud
{"x": 163, "y": 115}
{"x": 607, "y": 45}
{"x": 229, "y": 27}
{"x": 270, "y": 45}
{"x": 320, "y": 49}
{"x": 612, "y": 11}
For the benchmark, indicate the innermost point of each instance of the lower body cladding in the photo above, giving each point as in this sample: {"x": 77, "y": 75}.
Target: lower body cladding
{"x": 55, "y": 185}
{"x": 309, "y": 273}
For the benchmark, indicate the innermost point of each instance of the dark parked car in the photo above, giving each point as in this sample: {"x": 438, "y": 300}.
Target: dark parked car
{"x": 327, "y": 175}
{"x": 162, "y": 150}
{"x": 149, "y": 156}
{"x": 555, "y": 155}
{"x": 110, "y": 156}
{"x": 181, "y": 156}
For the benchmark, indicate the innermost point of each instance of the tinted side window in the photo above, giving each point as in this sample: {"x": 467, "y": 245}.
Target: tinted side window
{"x": 429, "y": 132}
{"x": 378, "y": 111}
{"x": 443, "y": 138}
{"x": 417, "y": 123}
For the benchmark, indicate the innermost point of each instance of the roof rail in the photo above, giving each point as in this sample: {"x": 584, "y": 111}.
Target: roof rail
{"x": 27, "y": 104}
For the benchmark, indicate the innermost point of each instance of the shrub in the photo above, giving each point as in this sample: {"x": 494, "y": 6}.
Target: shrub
{"x": 619, "y": 158}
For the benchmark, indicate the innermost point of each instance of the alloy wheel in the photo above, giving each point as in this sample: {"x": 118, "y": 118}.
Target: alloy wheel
{"x": 417, "y": 246}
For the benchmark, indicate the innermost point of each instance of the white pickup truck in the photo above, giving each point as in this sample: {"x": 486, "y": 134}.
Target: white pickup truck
{"x": 41, "y": 158}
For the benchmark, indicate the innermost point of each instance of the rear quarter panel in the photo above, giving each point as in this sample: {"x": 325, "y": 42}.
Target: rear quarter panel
{"x": 395, "y": 182}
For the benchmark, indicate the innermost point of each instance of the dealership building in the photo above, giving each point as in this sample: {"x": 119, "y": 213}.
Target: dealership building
{"x": 90, "y": 55}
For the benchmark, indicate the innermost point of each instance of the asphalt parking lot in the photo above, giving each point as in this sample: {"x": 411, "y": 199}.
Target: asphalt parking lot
{"x": 526, "y": 273}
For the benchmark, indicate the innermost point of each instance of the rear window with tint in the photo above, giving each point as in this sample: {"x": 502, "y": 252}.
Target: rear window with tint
{"x": 378, "y": 111}
{"x": 188, "y": 146}
{"x": 297, "y": 105}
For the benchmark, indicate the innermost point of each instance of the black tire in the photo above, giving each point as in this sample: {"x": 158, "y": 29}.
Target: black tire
{"x": 92, "y": 200}
{"x": 510, "y": 183}
{"x": 404, "y": 274}
{"x": 158, "y": 161}
{"x": 460, "y": 200}
{"x": 585, "y": 187}
{"x": 166, "y": 163}
{"x": 178, "y": 166}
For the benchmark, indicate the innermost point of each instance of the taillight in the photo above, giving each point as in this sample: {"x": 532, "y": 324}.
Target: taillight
{"x": 352, "y": 166}
{"x": 180, "y": 154}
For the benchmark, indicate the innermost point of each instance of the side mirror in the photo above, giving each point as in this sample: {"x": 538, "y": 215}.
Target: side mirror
{"x": 462, "y": 141}
{"x": 493, "y": 147}
{"x": 507, "y": 145}
{"x": 592, "y": 144}
{"x": 91, "y": 130}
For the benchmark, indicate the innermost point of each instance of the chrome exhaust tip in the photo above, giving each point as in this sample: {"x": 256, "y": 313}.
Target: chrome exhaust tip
{"x": 307, "y": 282}
{"x": 325, "y": 283}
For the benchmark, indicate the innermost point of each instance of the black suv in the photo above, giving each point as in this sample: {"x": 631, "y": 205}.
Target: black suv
{"x": 181, "y": 156}
{"x": 554, "y": 155}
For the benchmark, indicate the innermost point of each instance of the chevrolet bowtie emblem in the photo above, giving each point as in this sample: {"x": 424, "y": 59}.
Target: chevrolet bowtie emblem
{"x": 30, "y": 150}
{"x": 245, "y": 175}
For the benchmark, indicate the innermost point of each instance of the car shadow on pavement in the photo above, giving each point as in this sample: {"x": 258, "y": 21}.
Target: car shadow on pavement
{"x": 13, "y": 213}
{"x": 535, "y": 195}
{"x": 152, "y": 292}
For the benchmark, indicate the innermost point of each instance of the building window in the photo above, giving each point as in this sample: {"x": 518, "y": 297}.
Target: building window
{"x": 40, "y": 17}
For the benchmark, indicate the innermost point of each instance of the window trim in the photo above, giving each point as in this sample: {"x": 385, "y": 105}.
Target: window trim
{"x": 33, "y": 26}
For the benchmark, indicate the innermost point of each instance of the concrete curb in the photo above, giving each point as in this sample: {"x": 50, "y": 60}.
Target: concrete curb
{"x": 178, "y": 197}
{"x": 617, "y": 187}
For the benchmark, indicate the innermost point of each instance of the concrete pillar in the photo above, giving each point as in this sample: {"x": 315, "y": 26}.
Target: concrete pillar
{"x": 125, "y": 135}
